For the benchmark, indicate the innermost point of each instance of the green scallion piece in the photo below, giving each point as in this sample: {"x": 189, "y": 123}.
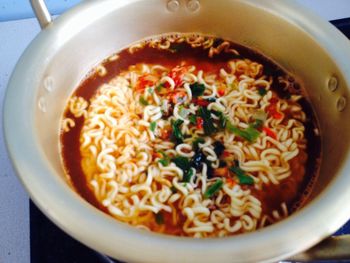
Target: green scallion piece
{"x": 208, "y": 121}
{"x": 188, "y": 175}
{"x": 262, "y": 91}
{"x": 212, "y": 99}
{"x": 173, "y": 189}
{"x": 182, "y": 162}
{"x": 257, "y": 124}
{"x": 150, "y": 90}
{"x": 175, "y": 47}
{"x": 222, "y": 119}
{"x": 197, "y": 89}
{"x": 159, "y": 218}
{"x": 250, "y": 134}
{"x": 193, "y": 119}
{"x": 196, "y": 142}
{"x": 213, "y": 189}
{"x": 159, "y": 87}
{"x": 153, "y": 126}
{"x": 143, "y": 101}
{"x": 176, "y": 130}
{"x": 183, "y": 112}
{"x": 165, "y": 161}
{"x": 260, "y": 115}
{"x": 242, "y": 177}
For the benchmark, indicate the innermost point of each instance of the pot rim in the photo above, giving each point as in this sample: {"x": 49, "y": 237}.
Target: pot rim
{"x": 51, "y": 193}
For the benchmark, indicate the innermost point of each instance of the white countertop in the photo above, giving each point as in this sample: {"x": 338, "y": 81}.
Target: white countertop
{"x": 14, "y": 206}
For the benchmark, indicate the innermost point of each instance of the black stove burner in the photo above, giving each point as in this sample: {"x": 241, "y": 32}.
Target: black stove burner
{"x": 343, "y": 25}
{"x": 49, "y": 244}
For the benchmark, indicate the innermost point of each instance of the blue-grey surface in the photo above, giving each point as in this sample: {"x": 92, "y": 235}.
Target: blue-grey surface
{"x": 20, "y": 9}
{"x": 14, "y": 37}
{"x": 14, "y": 211}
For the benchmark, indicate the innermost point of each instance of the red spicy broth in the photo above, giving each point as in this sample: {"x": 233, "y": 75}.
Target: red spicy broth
{"x": 211, "y": 56}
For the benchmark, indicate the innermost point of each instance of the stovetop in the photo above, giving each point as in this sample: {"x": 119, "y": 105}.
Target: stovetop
{"x": 49, "y": 244}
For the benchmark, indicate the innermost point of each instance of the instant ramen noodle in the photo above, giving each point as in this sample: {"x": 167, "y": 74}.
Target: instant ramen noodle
{"x": 191, "y": 135}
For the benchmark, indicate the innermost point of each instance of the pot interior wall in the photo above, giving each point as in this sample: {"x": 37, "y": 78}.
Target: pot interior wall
{"x": 86, "y": 39}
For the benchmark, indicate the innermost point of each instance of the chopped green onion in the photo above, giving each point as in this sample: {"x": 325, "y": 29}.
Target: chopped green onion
{"x": 196, "y": 143}
{"x": 197, "y": 89}
{"x": 159, "y": 87}
{"x": 173, "y": 189}
{"x": 260, "y": 115}
{"x": 177, "y": 134}
{"x": 143, "y": 101}
{"x": 153, "y": 126}
{"x": 257, "y": 124}
{"x": 208, "y": 121}
{"x": 211, "y": 99}
{"x": 183, "y": 112}
{"x": 175, "y": 47}
{"x": 218, "y": 148}
{"x": 188, "y": 175}
{"x": 222, "y": 121}
{"x": 242, "y": 177}
{"x": 213, "y": 189}
{"x": 262, "y": 91}
{"x": 159, "y": 218}
{"x": 222, "y": 118}
{"x": 150, "y": 90}
{"x": 182, "y": 162}
{"x": 193, "y": 119}
{"x": 165, "y": 161}
{"x": 250, "y": 134}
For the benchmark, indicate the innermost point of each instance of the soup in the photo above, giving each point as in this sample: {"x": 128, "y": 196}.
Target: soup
{"x": 191, "y": 135}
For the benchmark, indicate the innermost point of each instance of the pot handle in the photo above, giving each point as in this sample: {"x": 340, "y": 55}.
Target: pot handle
{"x": 41, "y": 12}
{"x": 334, "y": 249}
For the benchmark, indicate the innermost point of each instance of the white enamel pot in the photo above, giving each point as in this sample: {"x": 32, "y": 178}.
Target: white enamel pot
{"x": 68, "y": 47}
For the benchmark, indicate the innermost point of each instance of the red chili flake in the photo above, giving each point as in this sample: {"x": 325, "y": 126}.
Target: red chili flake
{"x": 143, "y": 82}
{"x": 272, "y": 109}
{"x": 226, "y": 154}
{"x": 200, "y": 102}
{"x": 270, "y": 133}
{"x": 273, "y": 100}
{"x": 156, "y": 155}
{"x": 277, "y": 115}
{"x": 230, "y": 182}
{"x": 199, "y": 122}
{"x": 221, "y": 92}
{"x": 177, "y": 74}
{"x": 165, "y": 134}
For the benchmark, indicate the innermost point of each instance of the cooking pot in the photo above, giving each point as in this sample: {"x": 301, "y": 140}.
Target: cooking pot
{"x": 67, "y": 48}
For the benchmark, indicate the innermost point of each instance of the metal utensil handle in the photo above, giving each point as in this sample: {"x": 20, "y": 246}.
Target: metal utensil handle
{"x": 333, "y": 248}
{"x": 41, "y": 12}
